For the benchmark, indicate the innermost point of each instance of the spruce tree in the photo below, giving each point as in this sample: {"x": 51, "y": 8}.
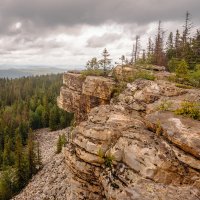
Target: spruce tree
{"x": 59, "y": 144}
{"x": 19, "y": 160}
{"x": 39, "y": 156}
{"x": 54, "y": 118}
{"x": 182, "y": 69}
{"x": 31, "y": 157}
{"x": 105, "y": 62}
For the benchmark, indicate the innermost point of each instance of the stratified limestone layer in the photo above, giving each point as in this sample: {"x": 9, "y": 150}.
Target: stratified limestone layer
{"x": 153, "y": 154}
{"x": 80, "y": 94}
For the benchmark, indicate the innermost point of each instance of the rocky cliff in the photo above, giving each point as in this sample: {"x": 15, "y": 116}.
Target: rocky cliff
{"x": 131, "y": 148}
{"x": 79, "y": 94}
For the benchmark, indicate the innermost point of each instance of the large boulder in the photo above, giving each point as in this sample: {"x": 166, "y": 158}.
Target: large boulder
{"x": 79, "y": 94}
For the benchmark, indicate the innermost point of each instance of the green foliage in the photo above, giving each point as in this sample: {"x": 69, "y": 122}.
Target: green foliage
{"x": 25, "y": 104}
{"x": 7, "y": 186}
{"x": 165, "y": 105}
{"x": 92, "y": 64}
{"x": 54, "y": 118}
{"x": 187, "y": 81}
{"x": 59, "y": 144}
{"x": 158, "y": 128}
{"x": 183, "y": 86}
{"x": 118, "y": 89}
{"x": 182, "y": 69}
{"x": 100, "y": 153}
{"x": 92, "y": 72}
{"x": 173, "y": 64}
{"x": 194, "y": 78}
{"x": 143, "y": 75}
{"x": 63, "y": 139}
{"x": 109, "y": 158}
{"x": 100, "y": 67}
{"x": 197, "y": 67}
{"x": 189, "y": 109}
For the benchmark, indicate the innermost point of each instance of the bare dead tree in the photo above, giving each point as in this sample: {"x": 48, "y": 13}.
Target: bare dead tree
{"x": 137, "y": 47}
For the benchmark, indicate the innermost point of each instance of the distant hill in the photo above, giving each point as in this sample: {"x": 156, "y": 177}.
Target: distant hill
{"x": 13, "y": 73}
{"x": 17, "y": 73}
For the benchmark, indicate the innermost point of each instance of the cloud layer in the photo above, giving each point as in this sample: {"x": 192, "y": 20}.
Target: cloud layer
{"x": 63, "y": 31}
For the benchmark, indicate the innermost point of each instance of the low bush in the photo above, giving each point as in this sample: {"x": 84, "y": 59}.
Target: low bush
{"x": 143, "y": 75}
{"x": 189, "y": 109}
{"x": 108, "y": 159}
{"x": 183, "y": 86}
{"x": 95, "y": 72}
{"x": 165, "y": 105}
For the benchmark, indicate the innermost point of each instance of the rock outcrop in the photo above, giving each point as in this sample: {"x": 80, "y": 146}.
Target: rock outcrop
{"x": 79, "y": 94}
{"x": 131, "y": 149}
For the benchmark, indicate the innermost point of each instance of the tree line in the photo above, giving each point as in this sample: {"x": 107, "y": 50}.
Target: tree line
{"x": 26, "y": 104}
{"x": 179, "y": 53}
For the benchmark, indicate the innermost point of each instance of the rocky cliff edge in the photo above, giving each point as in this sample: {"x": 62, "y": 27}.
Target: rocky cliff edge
{"x": 131, "y": 148}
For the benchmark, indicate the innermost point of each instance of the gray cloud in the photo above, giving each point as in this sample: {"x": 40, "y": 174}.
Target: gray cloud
{"x": 47, "y": 13}
{"x": 102, "y": 41}
{"x": 33, "y": 27}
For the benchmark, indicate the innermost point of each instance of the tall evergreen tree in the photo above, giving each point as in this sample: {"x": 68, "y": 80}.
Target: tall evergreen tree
{"x": 31, "y": 157}
{"x": 159, "y": 55}
{"x": 19, "y": 161}
{"x": 106, "y": 61}
{"x": 54, "y": 119}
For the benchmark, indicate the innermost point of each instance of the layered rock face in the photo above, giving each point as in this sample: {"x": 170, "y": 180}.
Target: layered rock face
{"x": 132, "y": 149}
{"x": 79, "y": 94}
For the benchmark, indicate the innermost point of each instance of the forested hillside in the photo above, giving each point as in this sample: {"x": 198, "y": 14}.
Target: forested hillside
{"x": 26, "y": 104}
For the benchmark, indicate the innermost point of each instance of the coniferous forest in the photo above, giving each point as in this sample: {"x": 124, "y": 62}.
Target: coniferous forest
{"x": 26, "y": 104}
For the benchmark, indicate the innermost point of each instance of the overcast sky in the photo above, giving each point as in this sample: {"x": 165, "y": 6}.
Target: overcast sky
{"x": 69, "y": 32}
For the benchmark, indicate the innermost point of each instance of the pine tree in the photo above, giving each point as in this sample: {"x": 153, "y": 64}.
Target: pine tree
{"x": 182, "y": 69}
{"x": 19, "y": 161}
{"x": 105, "y": 62}
{"x": 64, "y": 141}
{"x": 159, "y": 56}
{"x": 54, "y": 118}
{"x": 92, "y": 64}
{"x": 137, "y": 48}
{"x": 150, "y": 51}
{"x": 39, "y": 156}
{"x": 122, "y": 58}
{"x": 31, "y": 157}
{"x": 170, "y": 53}
{"x": 59, "y": 144}
{"x": 187, "y": 28}
{"x": 7, "y": 154}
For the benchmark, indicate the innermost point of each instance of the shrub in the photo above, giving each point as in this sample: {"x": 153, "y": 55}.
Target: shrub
{"x": 95, "y": 72}
{"x": 143, "y": 75}
{"x": 194, "y": 78}
{"x": 189, "y": 109}
{"x": 197, "y": 67}
{"x": 172, "y": 64}
{"x": 109, "y": 158}
{"x": 182, "y": 69}
{"x": 158, "y": 128}
{"x": 100, "y": 153}
{"x": 183, "y": 86}
{"x": 59, "y": 144}
{"x": 118, "y": 89}
{"x": 165, "y": 105}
